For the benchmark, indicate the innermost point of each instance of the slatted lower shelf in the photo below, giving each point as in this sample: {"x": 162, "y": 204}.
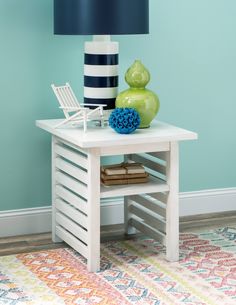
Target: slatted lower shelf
{"x": 72, "y": 213}
{"x": 72, "y": 227}
{"x": 71, "y": 240}
{"x": 148, "y": 230}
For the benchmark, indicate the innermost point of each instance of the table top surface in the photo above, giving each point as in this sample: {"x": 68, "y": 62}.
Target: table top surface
{"x": 100, "y": 137}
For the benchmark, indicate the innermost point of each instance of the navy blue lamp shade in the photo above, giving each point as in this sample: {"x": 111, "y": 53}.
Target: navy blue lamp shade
{"x": 101, "y": 17}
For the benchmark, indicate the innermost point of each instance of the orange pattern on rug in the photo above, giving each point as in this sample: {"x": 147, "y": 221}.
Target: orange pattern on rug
{"x": 69, "y": 278}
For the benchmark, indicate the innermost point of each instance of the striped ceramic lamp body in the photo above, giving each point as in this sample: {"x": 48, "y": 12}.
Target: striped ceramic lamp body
{"x": 101, "y": 59}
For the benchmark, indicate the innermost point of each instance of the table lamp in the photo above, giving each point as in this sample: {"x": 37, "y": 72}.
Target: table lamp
{"x": 101, "y": 18}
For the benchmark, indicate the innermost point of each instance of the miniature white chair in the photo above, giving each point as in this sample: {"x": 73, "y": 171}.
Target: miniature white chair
{"x": 69, "y": 104}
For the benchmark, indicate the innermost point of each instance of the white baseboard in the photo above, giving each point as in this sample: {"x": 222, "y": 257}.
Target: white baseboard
{"x": 38, "y": 220}
{"x": 208, "y": 201}
{"x": 25, "y": 221}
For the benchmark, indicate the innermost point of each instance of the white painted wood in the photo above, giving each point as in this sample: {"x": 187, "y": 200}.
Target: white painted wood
{"x": 72, "y": 227}
{"x": 162, "y": 197}
{"x": 129, "y": 230}
{"x": 151, "y": 156}
{"x": 72, "y": 184}
{"x": 69, "y": 103}
{"x": 191, "y": 203}
{"x": 112, "y": 211}
{"x": 72, "y": 156}
{"x": 96, "y": 144}
{"x": 64, "y": 143}
{"x": 55, "y": 238}
{"x": 26, "y": 221}
{"x": 136, "y": 148}
{"x": 72, "y": 170}
{"x": 152, "y": 186}
{"x": 148, "y": 218}
{"x": 207, "y": 201}
{"x": 150, "y": 164}
{"x": 148, "y": 231}
{"x": 71, "y": 212}
{"x": 72, "y": 241}
{"x": 93, "y": 263}
{"x": 105, "y": 137}
{"x": 127, "y": 202}
{"x": 160, "y": 155}
{"x": 148, "y": 204}
{"x": 172, "y": 208}
{"x": 72, "y": 199}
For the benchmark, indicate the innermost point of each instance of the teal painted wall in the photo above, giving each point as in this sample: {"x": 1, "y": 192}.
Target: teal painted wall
{"x": 191, "y": 54}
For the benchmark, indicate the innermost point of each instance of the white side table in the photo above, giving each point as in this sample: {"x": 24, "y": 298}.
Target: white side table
{"x": 152, "y": 208}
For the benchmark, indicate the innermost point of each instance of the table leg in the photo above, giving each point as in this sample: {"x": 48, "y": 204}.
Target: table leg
{"x": 128, "y": 228}
{"x": 93, "y": 263}
{"x": 172, "y": 210}
{"x": 55, "y": 238}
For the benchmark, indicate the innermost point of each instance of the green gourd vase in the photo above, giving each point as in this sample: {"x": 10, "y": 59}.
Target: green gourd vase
{"x": 137, "y": 96}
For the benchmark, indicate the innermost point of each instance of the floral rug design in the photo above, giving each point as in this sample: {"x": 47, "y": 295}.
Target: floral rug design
{"x": 132, "y": 272}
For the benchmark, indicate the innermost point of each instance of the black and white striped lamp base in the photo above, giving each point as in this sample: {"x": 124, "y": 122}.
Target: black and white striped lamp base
{"x": 101, "y": 71}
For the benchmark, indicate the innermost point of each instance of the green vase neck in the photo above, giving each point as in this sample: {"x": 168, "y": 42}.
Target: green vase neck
{"x": 137, "y": 88}
{"x": 137, "y": 76}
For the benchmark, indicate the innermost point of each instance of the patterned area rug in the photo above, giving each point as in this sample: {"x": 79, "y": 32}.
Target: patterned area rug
{"x": 133, "y": 272}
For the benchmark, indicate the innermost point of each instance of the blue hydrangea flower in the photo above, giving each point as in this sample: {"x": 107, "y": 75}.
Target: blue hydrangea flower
{"x": 124, "y": 120}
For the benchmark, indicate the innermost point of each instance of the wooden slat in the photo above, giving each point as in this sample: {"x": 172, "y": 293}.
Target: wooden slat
{"x": 74, "y": 200}
{"x": 150, "y": 164}
{"x": 71, "y": 212}
{"x": 162, "y": 197}
{"x": 74, "y": 147}
{"x": 72, "y": 184}
{"x": 72, "y": 170}
{"x": 145, "y": 229}
{"x": 152, "y": 186}
{"x": 160, "y": 155}
{"x": 149, "y": 205}
{"x": 135, "y": 148}
{"x": 72, "y": 241}
{"x": 72, "y": 227}
{"x": 151, "y": 220}
{"x": 71, "y": 156}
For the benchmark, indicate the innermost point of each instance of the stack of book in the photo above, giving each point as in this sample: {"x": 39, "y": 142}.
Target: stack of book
{"x": 123, "y": 173}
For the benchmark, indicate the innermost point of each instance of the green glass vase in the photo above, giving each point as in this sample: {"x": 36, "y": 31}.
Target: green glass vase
{"x": 137, "y": 96}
